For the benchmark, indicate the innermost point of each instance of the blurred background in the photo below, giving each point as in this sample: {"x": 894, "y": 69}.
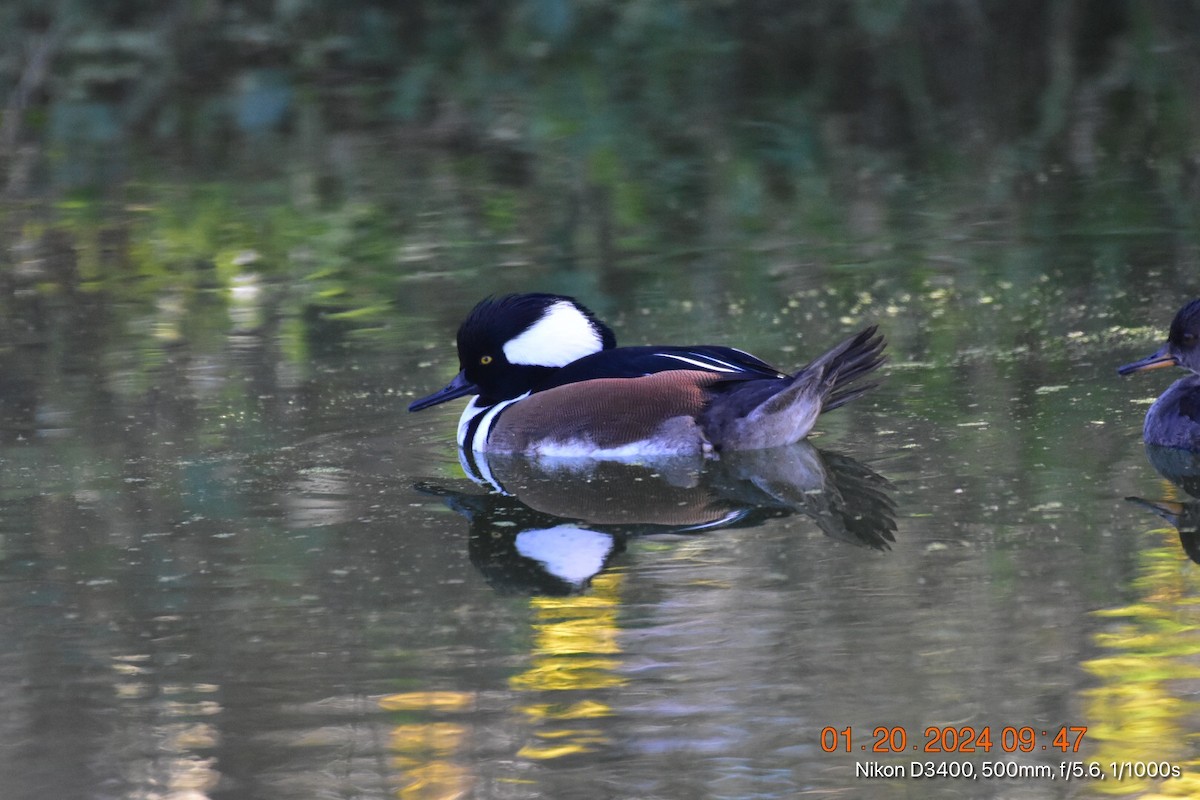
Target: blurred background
{"x": 236, "y": 239}
{"x": 369, "y": 155}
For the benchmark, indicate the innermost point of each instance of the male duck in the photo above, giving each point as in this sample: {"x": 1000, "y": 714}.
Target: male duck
{"x": 549, "y": 380}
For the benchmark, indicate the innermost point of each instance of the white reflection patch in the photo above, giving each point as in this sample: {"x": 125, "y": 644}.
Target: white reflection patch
{"x": 567, "y": 552}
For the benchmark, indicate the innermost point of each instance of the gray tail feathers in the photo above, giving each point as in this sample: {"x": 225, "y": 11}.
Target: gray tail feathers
{"x": 760, "y": 413}
{"x": 845, "y": 364}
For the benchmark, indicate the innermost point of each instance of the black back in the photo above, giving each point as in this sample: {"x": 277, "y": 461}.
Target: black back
{"x": 634, "y": 362}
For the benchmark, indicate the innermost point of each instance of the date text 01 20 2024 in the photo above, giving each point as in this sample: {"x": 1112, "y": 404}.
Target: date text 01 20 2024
{"x": 957, "y": 739}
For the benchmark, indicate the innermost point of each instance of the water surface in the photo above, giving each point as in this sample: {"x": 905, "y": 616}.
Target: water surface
{"x": 236, "y": 242}
{"x": 235, "y": 577}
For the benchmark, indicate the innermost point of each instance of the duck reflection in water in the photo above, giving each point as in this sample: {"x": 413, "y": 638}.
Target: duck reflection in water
{"x": 1181, "y": 468}
{"x": 549, "y": 526}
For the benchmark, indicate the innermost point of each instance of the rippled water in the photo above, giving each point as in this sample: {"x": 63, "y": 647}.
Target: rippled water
{"x": 236, "y": 240}
{"x": 226, "y": 577}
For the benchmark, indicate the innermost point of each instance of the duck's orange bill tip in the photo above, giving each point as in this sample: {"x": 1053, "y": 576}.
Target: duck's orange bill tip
{"x": 1153, "y": 362}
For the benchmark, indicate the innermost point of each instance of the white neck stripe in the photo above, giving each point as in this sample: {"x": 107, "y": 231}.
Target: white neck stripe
{"x": 478, "y": 442}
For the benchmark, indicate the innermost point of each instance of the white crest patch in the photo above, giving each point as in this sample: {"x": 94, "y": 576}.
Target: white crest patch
{"x": 562, "y": 335}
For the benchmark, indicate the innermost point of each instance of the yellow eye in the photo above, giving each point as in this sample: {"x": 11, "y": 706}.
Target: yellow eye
{"x": 485, "y": 360}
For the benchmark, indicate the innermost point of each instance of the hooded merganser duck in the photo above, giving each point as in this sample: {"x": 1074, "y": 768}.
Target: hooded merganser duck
{"x": 549, "y": 380}
{"x": 1174, "y": 419}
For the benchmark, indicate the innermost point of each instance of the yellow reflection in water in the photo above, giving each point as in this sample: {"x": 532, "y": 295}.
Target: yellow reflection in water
{"x": 575, "y": 649}
{"x": 1138, "y": 714}
{"x": 431, "y": 755}
{"x": 427, "y": 701}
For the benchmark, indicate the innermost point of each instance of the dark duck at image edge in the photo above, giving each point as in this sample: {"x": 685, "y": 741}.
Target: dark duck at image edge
{"x": 548, "y": 379}
{"x": 1174, "y": 418}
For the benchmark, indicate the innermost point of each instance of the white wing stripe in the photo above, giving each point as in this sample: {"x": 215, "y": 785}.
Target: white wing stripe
{"x": 709, "y": 363}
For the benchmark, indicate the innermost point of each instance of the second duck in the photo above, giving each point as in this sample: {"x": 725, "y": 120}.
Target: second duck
{"x": 1174, "y": 419}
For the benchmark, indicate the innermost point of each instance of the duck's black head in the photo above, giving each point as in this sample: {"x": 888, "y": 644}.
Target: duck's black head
{"x": 509, "y": 345}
